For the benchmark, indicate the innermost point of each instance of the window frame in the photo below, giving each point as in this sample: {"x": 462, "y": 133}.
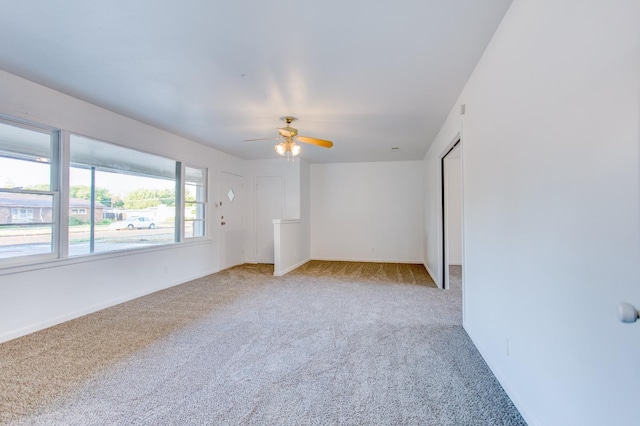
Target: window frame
{"x": 60, "y": 165}
{"x": 68, "y": 166}
{"x": 203, "y": 203}
{"x": 55, "y": 147}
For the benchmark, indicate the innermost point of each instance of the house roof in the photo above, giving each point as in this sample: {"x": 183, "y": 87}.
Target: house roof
{"x": 15, "y": 200}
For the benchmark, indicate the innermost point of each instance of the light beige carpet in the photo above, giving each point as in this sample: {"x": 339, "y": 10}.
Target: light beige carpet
{"x": 329, "y": 343}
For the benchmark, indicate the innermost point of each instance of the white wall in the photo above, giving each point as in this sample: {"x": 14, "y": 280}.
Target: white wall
{"x": 305, "y": 209}
{"x": 367, "y": 211}
{"x": 289, "y": 249}
{"x": 551, "y": 208}
{"x": 453, "y": 207}
{"x": 31, "y": 299}
{"x": 290, "y": 173}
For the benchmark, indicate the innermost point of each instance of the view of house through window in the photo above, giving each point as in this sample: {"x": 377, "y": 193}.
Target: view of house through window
{"x": 119, "y": 198}
{"x": 27, "y": 195}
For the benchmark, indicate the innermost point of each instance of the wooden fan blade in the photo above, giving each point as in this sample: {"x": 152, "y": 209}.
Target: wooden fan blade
{"x": 314, "y": 141}
{"x": 262, "y": 139}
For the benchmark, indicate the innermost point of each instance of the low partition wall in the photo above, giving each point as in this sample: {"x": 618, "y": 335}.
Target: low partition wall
{"x": 287, "y": 243}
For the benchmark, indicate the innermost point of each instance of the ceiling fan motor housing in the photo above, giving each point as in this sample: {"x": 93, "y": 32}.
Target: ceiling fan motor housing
{"x": 288, "y": 132}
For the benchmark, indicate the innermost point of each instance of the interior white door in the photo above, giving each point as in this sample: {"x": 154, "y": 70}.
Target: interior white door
{"x": 231, "y": 220}
{"x": 269, "y": 205}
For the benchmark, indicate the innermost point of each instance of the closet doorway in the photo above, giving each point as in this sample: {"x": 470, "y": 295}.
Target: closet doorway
{"x": 451, "y": 167}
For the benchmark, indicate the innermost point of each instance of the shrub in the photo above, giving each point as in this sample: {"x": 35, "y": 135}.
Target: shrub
{"x": 74, "y": 221}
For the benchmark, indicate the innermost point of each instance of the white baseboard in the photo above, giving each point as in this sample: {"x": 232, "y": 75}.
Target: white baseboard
{"x": 32, "y": 328}
{"x": 291, "y": 268}
{"x": 515, "y": 397}
{"x": 343, "y": 259}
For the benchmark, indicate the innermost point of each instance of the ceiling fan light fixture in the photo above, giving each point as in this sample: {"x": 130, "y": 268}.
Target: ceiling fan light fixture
{"x": 288, "y": 147}
{"x": 280, "y": 148}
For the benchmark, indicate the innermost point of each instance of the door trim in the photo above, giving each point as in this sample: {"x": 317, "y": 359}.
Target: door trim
{"x": 443, "y": 222}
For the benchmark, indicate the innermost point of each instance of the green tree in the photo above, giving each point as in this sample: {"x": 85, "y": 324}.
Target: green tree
{"x": 144, "y": 198}
{"x": 167, "y": 197}
{"x": 117, "y": 202}
{"x": 103, "y": 195}
{"x": 39, "y": 187}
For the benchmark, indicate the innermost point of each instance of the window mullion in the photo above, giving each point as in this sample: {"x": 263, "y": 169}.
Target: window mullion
{"x": 180, "y": 182}
{"x": 62, "y": 172}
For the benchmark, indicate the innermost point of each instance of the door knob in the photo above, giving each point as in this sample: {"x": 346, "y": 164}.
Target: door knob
{"x": 627, "y": 312}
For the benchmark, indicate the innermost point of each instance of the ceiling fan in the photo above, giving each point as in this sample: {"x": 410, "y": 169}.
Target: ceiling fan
{"x": 289, "y": 135}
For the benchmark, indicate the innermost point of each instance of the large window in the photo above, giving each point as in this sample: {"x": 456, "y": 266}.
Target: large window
{"x": 28, "y": 190}
{"x": 101, "y": 198}
{"x": 131, "y": 198}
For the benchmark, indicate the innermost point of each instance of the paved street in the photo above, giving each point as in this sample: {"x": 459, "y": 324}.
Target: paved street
{"x": 23, "y": 242}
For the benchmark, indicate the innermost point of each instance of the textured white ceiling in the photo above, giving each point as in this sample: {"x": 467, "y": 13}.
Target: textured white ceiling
{"x": 368, "y": 75}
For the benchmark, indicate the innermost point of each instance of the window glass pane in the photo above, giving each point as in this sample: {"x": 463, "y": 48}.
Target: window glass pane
{"x": 188, "y": 229}
{"x": 195, "y": 176}
{"x": 194, "y": 184}
{"x": 26, "y": 214}
{"x": 195, "y": 202}
{"x": 104, "y": 156}
{"x": 194, "y": 220}
{"x": 133, "y": 198}
{"x": 25, "y": 157}
{"x": 26, "y": 226}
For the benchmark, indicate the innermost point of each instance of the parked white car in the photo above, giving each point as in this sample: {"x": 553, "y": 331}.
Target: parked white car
{"x": 135, "y": 222}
